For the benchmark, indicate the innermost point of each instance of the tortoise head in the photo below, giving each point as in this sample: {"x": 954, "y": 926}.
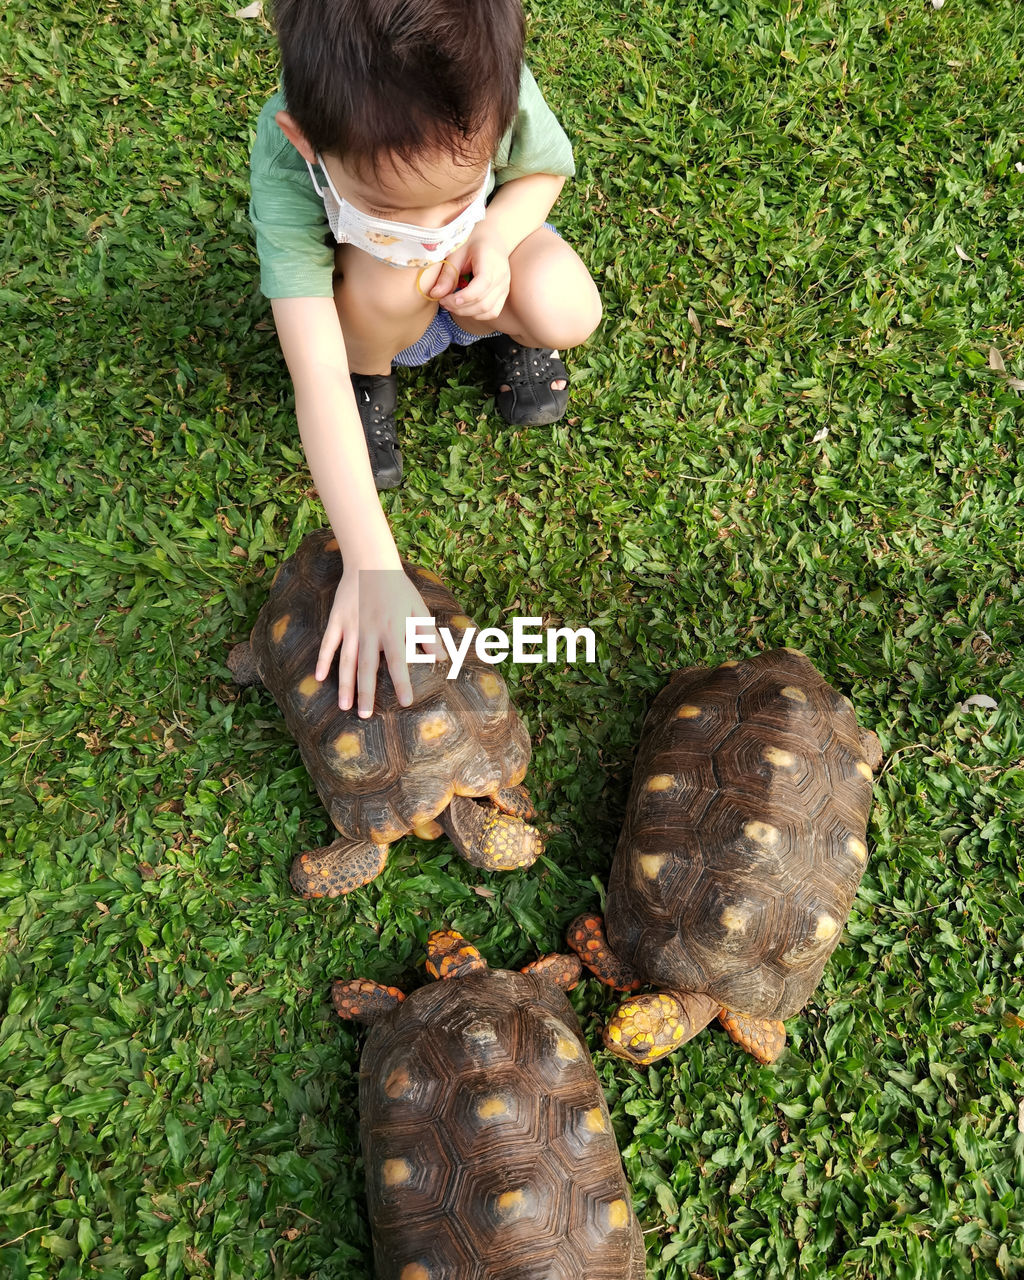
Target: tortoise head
{"x": 449, "y": 955}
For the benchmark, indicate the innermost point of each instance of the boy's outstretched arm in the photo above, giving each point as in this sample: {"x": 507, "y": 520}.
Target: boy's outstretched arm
{"x": 370, "y": 608}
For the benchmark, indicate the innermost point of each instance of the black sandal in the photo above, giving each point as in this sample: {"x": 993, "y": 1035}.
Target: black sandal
{"x": 527, "y": 374}
{"x": 376, "y": 397}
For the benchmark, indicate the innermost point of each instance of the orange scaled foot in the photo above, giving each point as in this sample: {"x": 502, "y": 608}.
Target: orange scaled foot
{"x": 449, "y": 955}
{"x": 586, "y": 938}
{"x": 362, "y": 1000}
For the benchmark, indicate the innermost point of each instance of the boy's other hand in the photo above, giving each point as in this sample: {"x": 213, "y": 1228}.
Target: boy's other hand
{"x": 484, "y": 258}
{"x": 367, "y": 618}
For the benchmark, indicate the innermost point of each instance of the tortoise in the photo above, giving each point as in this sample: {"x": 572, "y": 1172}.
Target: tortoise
{"x": 452, "y": 762}
{"x": 488, "y": 1148}
{"x": 742, "y": 849}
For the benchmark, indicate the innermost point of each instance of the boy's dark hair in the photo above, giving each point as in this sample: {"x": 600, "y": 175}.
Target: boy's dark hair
{"x": 369, "y": 78}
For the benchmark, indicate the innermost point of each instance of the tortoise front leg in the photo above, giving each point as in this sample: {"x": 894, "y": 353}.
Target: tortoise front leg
{"x": 488, "y": 838}
{"x": 765, "y": 1038}
{"x": 449, "y": 955}
{"x": 563, "y": 971}
{"x": 514, "y": 801}
{"x": 363, "y": 1000}
{"x": 337, "y": 868}
{"x": 586, "y": 937}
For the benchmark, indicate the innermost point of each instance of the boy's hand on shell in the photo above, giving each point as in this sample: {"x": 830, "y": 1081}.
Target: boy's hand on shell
{"x": 366, "y": 619}
{"x": 484, "y": 259}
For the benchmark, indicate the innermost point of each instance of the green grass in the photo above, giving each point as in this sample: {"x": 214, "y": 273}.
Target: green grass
{"x": 771, "y": 196}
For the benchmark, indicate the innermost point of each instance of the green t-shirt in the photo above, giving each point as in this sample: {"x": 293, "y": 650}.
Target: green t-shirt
{"x": 288, "y": 215}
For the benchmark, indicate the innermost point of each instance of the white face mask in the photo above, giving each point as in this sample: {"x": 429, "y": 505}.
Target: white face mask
{"x": 397, "y": 243}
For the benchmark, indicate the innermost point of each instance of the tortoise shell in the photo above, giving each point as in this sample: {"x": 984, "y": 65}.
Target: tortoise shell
{"x": 381, "y": 777}
{"x": 745, "y": 834}
{"x": 488, "y": 1147}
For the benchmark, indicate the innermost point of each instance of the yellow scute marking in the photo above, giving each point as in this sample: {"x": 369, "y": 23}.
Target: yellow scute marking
{"x": 395, "y": 1172}
{"x": 510, "y": 1201}
{"x": 827, "y": 927}
{"x": 864, "y": 769}
{"x": 430, "y": 576}
{"x": 793, "y": 693}
{"x": 397, "y": 1083}
{"x": 490, "y": 684}
{"x": 309, "y": 686}
{"x": 460, "y": 620}
{"x": 332, "y": 545}
{"x": 279, "y": 628}
{"x": 567, "y": 1049}
{"x": 618, "y": 1215}
{"x": 775, "y": 755}
{"x": 346, "y": 746}
{"x": 659, "y": 782}
{"x": 687, "y": 711}
{"x": 414, "y": 1271}
{"x": 491, "y": 1107}
{"x": 651, "y": 864}
{"x": 733, "y": 919}
{"x": 434, "y": 728}
{"x": 857, "y": 848}
{"x": 594, "y": 1120}
{"x": 761, "y": 832}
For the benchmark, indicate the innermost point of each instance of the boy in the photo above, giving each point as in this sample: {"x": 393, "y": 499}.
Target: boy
{"x": 398, "y": 119}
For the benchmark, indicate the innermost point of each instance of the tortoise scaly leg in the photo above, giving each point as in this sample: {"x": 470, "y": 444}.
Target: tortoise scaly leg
{"x": 362, "y": 1000}
{"x": 586, "y": 937}
{"x": 488, "y": 838}
{"x": 337, "y": 868}
{"x": 449, "y": 955}
{"x": 514, "y": 801}
{"x": 563, "y": 971}
{"x": 765, "y": 1038}
{"x": 646, "y": 1028}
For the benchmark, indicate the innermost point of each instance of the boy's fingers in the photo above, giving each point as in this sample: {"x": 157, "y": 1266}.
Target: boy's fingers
{"x": 429, "y": 641}
{"x": 395, "y": 658}
{"x": 328, "y": 645}
{"x": 369, "y": 660}
{"x": 346, "y": 673}
{"x": 447, "y": 279}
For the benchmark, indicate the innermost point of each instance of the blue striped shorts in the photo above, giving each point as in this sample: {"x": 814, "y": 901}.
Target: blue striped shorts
{"x": 441, "y": 333}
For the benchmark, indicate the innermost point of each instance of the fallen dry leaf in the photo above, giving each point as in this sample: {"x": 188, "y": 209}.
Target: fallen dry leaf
{"x": 980, "y": 700}
{"x": 691, "y": 315}
{"x": 961, "y": 255}
{"x": 253, "y": 10}
{"x": 995, "y": 360}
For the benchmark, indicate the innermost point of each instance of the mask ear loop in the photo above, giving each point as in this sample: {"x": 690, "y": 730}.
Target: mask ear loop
{"x": 316, "y": 185}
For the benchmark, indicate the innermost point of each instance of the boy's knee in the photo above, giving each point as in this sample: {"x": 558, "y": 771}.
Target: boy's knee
{"x": 569, "y": 318}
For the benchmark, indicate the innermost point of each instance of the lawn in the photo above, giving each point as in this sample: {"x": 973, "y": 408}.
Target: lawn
{"x": 800, "y": 423}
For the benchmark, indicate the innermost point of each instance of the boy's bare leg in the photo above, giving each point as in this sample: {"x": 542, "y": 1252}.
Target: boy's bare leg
{"x": 552, "y": 301}
{"x": 380, "y": 309}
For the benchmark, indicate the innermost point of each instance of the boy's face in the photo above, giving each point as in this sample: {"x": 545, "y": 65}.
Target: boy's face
{"x": 432, "y": 194}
